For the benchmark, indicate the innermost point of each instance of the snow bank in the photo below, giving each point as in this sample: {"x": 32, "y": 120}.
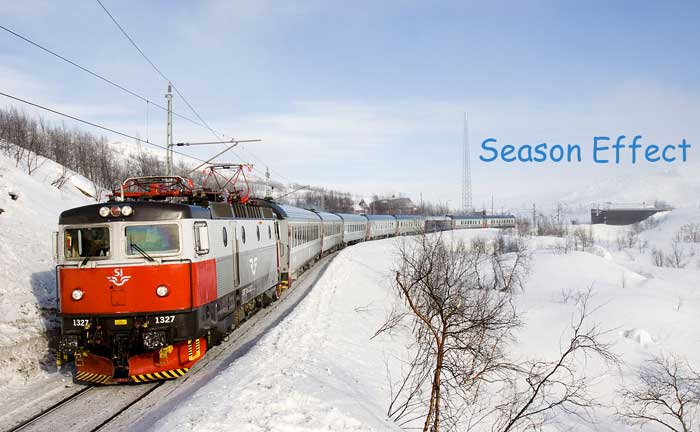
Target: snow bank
{"x": 27, "y": 280}
{"x": 319, "y": 369}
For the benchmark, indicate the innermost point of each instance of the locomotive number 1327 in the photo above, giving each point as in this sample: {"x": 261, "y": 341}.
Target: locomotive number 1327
{"x": 167, "y": 319}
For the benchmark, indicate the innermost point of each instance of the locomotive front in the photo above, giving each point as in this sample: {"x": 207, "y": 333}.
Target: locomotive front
{"x": 133, "y": 284}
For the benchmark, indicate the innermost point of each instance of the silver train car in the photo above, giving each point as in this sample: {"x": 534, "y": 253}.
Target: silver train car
{"x": 332, "y": 229}
{"x": 409, "y": 224}
{"x": 354, "y": 228}
{"x": 483, "y": 221}
{"x": 381, "y": 226}
{"x": 300, "y": 238}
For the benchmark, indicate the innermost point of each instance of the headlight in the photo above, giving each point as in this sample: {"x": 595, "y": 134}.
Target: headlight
{"x": 162, "y": 291}
{"x": 115, "y": 211}
{"x": 77, "y": 294}
{"x": 104, "y": 211}
{"x": 127, "y": 211}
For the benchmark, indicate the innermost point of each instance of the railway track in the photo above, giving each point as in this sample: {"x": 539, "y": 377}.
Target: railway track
{"x": 89, "y": 409}
{"x": 137, "y": 406}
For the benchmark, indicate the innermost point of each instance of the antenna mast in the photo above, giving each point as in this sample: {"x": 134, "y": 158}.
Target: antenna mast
{"x": 169, "y": 132}
{"x": 466, "y": 171}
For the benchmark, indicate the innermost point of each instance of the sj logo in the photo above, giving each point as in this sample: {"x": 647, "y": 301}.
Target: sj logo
{"x": 253, "y": 264}
{"x": 118, "y": 279}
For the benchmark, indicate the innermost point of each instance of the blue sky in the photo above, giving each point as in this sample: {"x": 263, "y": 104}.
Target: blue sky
{"x": 368, "y": 96}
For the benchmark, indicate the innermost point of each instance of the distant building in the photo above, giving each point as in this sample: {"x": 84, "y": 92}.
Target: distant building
{"x": 623, "y": 215}
{"x": 401, "y": 205}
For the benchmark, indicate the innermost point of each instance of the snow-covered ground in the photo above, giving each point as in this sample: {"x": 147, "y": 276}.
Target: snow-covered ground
{"x": 27, "y": 281}
{"x": 320, "y": 369}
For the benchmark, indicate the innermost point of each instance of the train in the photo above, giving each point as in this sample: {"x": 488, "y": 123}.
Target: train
{"x": 148, "y": 281}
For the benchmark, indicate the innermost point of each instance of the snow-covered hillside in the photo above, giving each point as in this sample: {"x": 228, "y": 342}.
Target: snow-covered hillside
{"x": 320, "y": 369}
{"x": 27, "y": 281}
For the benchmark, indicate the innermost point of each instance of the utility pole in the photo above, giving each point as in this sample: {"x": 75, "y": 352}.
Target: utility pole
{"x": 268, "y": 188}
{"x": 169, "y": 132}
{"x": 558, "y": 214}
{"x": 466, "y": 171}
{"x": 534, "y": 220}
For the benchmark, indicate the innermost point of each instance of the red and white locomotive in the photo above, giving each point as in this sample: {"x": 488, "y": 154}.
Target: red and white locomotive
{"x": 147, "y": 283}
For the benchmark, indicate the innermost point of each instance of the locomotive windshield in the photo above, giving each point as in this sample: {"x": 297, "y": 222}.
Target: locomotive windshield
{"x": 86, "y": 242}
{"x": 158, "y": 239}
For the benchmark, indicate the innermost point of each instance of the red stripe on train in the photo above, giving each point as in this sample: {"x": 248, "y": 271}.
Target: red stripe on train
{"x": 108, "y": 290}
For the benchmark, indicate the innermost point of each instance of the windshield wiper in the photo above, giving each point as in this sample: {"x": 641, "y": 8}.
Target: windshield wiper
{"x": 141, "y": 251}
{"x": 85, "y": 260}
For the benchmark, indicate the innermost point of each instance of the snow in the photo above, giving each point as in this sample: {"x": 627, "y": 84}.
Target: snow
{"x": 27, "y": 281}
{"x": 320, "y": 369}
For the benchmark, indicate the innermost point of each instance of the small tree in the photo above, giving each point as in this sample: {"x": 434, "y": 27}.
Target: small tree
{"x": 459, "y": 309}
{"x": 582, "y": 238}
{"x": 667, "y": 394}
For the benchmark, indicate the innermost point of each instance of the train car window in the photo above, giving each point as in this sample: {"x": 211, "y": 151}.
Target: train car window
{"x": 86, "y": 242}
{"x": 224, "y": 236}
{"x": 257, "y": 230}
{"x": 243, "y": 234}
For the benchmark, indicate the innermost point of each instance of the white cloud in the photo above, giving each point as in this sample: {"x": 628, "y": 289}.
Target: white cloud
{"x": 414, "y": 146}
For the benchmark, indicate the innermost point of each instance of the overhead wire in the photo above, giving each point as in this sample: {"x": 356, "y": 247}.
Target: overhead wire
{"x": 135, "y": 45}
{"x": 201, "y": 123}
{"x": 99, "y": 126}
{"x": 218, "y": 135}
{"x": 96, "y": 75}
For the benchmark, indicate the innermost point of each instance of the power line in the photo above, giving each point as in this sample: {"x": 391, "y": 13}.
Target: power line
{"x": 95, "y": 74}
{"x": 218, "y": 135}
{"x": 94, "y": 125}
{"x": 156, "y": 68}
{"x": 132, "y": 41}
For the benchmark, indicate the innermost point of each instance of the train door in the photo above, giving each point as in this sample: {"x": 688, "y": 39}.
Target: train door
{"x": 279, "y": 249}
{"x": 233, "y": 249}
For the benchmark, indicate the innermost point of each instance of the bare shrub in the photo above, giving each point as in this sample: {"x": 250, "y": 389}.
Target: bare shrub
{"x": 628, "y": 240}
{"x": 565, "y": 245}
{"x": 677, "y": 258}
{"x": 461, "y": 316}
{"x": 550, "y": 226}
{"x": 537, "y": 391}
{"x": 61, "y": 180}
{"x": 688, "y": 233}
{"x": 506, "y": 244}
{"x": 657, "y": 257}
{"x": 571, "y": 295}
{"x": 583, "y": 238}
{"x": 667, "y": 393}
{"x": 524, "y": 227}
